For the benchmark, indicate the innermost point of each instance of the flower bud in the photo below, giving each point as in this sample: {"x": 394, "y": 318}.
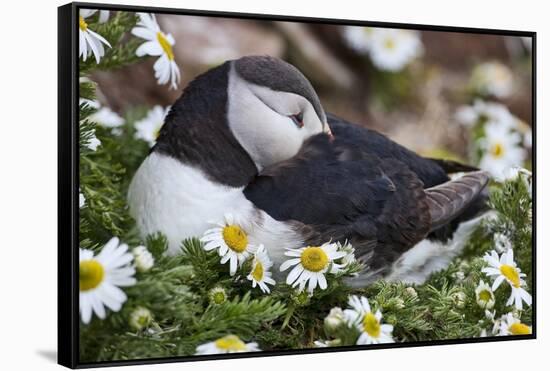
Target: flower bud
{"x": 140, "y": 318}
{"x": 411, "y": 292}
{"x": 459, "y": 299}
{"x": 143, "y": 259}
{"x": 217, "y": 296}
{"x": 334, "y": 320}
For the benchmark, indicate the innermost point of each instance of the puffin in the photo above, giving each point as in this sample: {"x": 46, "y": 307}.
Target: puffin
{"x": 250, "y": 138}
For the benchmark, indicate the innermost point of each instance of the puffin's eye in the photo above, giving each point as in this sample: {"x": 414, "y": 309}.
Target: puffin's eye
{"x": 298, "y": 119}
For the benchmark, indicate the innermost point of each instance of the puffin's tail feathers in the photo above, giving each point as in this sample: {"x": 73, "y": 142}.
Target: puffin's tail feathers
{"x": 448, "y": 200}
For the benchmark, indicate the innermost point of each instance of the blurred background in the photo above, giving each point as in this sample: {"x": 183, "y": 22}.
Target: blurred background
{"x": 437, "y": 93}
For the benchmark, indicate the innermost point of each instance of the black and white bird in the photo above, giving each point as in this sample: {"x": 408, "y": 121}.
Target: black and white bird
{"x": 251, "y": 138}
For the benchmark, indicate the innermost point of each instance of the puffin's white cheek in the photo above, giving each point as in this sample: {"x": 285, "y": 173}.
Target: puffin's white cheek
{"x": 282, "y": 146}
{"x": 274, "y": 140}
{"x": 266, "y": 136}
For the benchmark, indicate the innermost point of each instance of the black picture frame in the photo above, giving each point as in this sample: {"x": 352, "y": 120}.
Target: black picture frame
{"x": 68, "y": 181}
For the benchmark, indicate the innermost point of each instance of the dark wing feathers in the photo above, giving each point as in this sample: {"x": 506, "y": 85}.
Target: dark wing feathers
{"x": 431, "y": 172}
{"x": 379, "y": 206}
{"x": 363, "y": 141}
{"x": 366, "y": 189}
{"x": 405, "y": 219}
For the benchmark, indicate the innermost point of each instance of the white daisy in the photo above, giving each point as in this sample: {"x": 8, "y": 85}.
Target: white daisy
{"x": 502, "y": 242}
{"x": 89, "y": 102}
{"x": 103, "y": 16}
{"x": 358, "y": 38}
{"x": 502, "y": 149}
{"x": 140, "y": 318}
{"x": 160, "y": 45}
{"x": 100, "y": 278}
{"x": 81, "y": 199}
{"x": 93, "y": 142}
{"x": 368, "y": 323}
{"x": 227, "y": 344}
{"x": 505, "y": 269}
{"x": 528, "y": 138}
{"x": 310, "y": 264}
{"x": 466, "y": 115}
{"x": 260, "y": 274}
{"x": 496, "y": 322}
{"x": 231, "y": 241}
{"x": 513, "y": 173}
{"x": 148, "y": 128}
{"x": 481, "y": 112}
{"x": 485, "y": 297}
{"x": 392, "y": 49}
{"x": 106, "y": 117}
{"x": 143, "y": 259}
{"x": 510, "y": 325}
{"x": 89, "y": 41}
{"x": 492, "y": 78}
{"x": 349, "y": 258}
{"x": 527, "y": 178}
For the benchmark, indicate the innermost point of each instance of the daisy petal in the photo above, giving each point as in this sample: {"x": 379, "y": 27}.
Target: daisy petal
{"x": 288, "y": 263}
{"x": 322, "y": 281}
{"x": 294, "y": 273}
{"x": 497, "y": 282}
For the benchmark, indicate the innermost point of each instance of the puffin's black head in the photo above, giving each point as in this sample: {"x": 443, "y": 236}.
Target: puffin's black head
{"x": 242, "y": 116}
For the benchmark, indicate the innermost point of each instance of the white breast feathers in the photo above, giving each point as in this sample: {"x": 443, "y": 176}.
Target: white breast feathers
{"x": 179, "y": 201}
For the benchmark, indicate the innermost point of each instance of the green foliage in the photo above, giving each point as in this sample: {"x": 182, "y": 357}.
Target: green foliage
{"x": 514, "y": 208}
{"x": 122, "y": 51}
{"x": 100, "y": 182}
{"x": 103, "y": 179}
{"x": 391, "y": 88}
{"x": 182, "y": 317}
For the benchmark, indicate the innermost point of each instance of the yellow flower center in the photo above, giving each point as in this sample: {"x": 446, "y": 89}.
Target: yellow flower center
{"x": 143, "y": 320}
{"x": 485, "y": 295}
{"x": 371, "y": 325}
{"x": 314, "y": 259}
{"x": 218, "y": 297}
{"x": 258, "y": 271}
{"x": 497, "y": 150}
{"x": 230, "y": 343}
{"x": 519, "y": 329}
{"x": 235, "y": 238}
{"x": 165, "y": 45}
{"x": 91, "y": 274}
{"x": 82, "y": 23}
{"x": 389, "y": 44}
{"x": 511, "y": 274}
